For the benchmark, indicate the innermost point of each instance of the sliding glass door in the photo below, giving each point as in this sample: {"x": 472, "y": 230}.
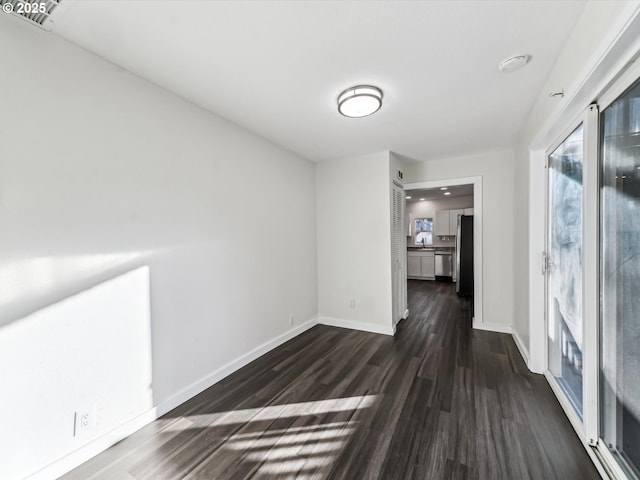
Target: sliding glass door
{"x": 620, "y": 279}
{"x": 592, "y": 274}
{"x": 564, "y": 266}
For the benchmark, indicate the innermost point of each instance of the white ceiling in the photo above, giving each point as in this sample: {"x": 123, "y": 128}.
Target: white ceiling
{"x": 276, "y": 67}
{"x": 438, "y": 193}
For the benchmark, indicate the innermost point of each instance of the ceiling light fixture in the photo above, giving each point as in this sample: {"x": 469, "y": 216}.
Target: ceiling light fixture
{"x": 443, "y": 188}
{"x": 360, "y": 101}
{"x": 408, "y": 197}
{"x": 422, "y": 199}
{"x": 447, "y": 193}
{"x": 513, "y": 63}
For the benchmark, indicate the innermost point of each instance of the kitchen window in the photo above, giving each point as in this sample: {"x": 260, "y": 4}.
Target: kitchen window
{"x": 424, "y": 231}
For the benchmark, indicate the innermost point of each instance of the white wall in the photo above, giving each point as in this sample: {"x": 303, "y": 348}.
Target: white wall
{"x": 102, "y": 172}
{"x": 68, "y": 349}
{"x": 595, "y": 51}
{"x": 496, "y": 169}
{"x": 354, "y": 242}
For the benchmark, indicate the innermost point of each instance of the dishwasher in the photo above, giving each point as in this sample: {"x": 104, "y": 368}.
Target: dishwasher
{"x": 444, "y": 265}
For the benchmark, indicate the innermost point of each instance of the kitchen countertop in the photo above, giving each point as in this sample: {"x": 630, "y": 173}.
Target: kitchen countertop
{"x": 429, "y": 249}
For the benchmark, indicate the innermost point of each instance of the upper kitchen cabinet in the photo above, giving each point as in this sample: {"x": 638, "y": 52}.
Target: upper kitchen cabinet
{"x": 446, "y": 223}
{"x": 441, "y": 225}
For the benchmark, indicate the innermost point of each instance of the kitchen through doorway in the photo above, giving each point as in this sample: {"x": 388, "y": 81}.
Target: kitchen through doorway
{"x": 443, "y": 228}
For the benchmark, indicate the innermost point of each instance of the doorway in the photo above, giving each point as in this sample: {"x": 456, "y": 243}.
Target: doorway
{"x": 433, "y": 210}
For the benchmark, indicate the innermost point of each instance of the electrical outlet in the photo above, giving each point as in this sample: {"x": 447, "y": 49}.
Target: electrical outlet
{"x": 291, "y": 319}
{"x": 352, "y": 304}
{"x": 84, "y": 419}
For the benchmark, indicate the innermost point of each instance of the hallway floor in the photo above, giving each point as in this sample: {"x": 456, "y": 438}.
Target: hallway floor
{"x": 437, "y": 401}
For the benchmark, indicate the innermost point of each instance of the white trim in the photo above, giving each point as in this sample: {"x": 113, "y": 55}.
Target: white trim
{"x": 521, "y": 348}
{"x": 493, "y": 327}
{"x": 576, "y": 423}
{"x": 537, "y": 243}
{"x": 355, "y": 325}
{"x": 621, "y": 84}
{"x": 478, "y": 297}
{"x": 591, "y": 277}
{"x": 93, "y": 448}
{"x": 608, "y": 463}
{"x": 405, "y": 315}
{"x": 231, "y": 367}
{"x": 601, "y": 467}
{"x": 577, "y": 426}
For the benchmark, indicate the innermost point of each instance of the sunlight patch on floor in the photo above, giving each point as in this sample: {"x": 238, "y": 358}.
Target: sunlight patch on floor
{"x": 272, "y": 412}
{"x": 304, "y": 450}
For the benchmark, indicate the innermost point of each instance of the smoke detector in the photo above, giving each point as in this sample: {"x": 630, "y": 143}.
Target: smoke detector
{"x": 513, "y": 63}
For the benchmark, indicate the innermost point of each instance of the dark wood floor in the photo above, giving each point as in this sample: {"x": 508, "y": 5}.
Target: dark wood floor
{"x": 437, "y": 401}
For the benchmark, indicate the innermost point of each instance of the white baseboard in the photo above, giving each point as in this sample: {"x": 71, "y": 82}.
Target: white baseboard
{"x": 226, "y": 370}
{"x": 492, "y": 327}
{"x": 521, "y": 348}
{"x": 354, "y": 325}
{"x": 94, "y": 447}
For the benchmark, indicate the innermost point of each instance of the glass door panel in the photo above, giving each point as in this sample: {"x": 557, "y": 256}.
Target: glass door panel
{"x": 564, "y": 267}
{"x": 620, "y": 279}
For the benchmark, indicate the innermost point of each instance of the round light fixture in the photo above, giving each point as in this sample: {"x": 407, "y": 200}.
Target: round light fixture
{"x": 447, "y": 193}
{"x": 408, "y": 197}
{"x": 513, "y": 63}
{"x": 443, "y": 188}
{"x": 360, "y": 101}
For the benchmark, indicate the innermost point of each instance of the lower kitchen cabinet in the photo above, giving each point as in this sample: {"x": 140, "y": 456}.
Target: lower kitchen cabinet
{"x": 428, "y": 265}
{"x": 414, "y": 266}
{"x": 421, "y": 265}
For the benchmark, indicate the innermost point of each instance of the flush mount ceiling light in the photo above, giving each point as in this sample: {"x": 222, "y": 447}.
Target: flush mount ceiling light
{"x": 360, "y": 101}
{"x": 447, "y": 193}
{"x": 513, "y": 63}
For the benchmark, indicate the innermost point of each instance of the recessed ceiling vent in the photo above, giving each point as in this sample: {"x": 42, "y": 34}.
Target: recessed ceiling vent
{"x": 37, "y": 12}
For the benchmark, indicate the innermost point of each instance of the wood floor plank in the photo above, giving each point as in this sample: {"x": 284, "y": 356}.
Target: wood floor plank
{"x": 437, "y": 401}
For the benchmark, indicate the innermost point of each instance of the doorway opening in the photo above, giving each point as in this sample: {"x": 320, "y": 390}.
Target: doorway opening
{"x": 443, "y": 227}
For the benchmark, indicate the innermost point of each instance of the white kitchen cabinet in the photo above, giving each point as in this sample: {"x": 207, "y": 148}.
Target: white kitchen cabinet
{"x": 421, "y": 265}
{"x": 441, "y": 223}
{"x": 453, "y": 221}
{"x": 468, "y": 211}
{"x": 446, "y": 223}
{"x": 428, "y": 267}
{"x": 414, "y": 266}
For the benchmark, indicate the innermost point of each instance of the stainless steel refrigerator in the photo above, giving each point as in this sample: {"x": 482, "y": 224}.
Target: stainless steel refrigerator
{"x": 464, "y": 256}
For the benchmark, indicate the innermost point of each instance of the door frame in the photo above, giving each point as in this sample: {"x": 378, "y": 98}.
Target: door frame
{"x": 476, "y": 181}
{"x": 587, "y": 428}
